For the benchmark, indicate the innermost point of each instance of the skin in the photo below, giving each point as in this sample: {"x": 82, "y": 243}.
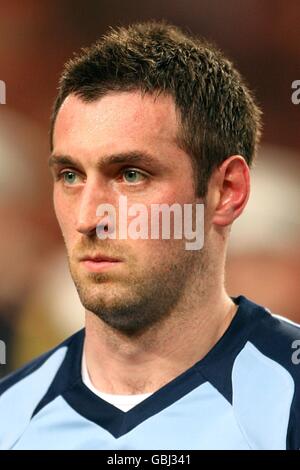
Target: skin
{"x": 162, "y": 308}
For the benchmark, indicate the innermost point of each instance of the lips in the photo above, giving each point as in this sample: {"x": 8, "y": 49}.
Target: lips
{"x": 100, "y": 258}
{"x": 98, "y": 263}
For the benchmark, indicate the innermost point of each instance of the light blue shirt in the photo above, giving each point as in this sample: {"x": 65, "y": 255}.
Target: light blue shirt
{"x": 244, "y": 394}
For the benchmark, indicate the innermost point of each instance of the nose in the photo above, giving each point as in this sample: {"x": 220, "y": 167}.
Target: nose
{"x": 92, "y": 195}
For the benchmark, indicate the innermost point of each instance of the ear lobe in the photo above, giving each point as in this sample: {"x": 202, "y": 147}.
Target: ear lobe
{"x": 233, "y": 190}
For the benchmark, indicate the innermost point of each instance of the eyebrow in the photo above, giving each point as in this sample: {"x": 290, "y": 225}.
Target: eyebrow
{"x": 60, "y": 160}
{"x": 132, "y": 157}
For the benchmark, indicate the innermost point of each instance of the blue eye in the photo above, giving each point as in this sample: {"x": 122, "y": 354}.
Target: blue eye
{"x": 69, "y": 177}
{"x": 132, "y": 176}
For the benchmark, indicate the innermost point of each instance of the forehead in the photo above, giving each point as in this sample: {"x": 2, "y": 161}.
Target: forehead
{"x": 116, "y": 122}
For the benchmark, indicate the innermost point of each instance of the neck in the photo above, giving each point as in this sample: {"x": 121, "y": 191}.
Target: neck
{"x": 144, "y": 363}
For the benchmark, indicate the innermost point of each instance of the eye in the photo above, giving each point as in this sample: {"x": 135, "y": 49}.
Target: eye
{"x": 133, "y": 176}
{"x": 69, "y": 177}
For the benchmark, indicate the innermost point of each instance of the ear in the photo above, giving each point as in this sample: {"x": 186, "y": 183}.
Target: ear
{"x": 230, "y": 185}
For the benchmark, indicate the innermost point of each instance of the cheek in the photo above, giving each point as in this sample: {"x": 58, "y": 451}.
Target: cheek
{"x": 161, "y": 251}
{"x": 155, "y": 254}
{"x": 177, "y": 193}
{"x": 64, "y": 212}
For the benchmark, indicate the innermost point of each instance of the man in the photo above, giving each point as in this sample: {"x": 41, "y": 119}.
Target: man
{"x": 167, "y": 360}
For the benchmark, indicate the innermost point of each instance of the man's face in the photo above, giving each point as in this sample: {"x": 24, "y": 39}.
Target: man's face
{"x": 95, "y": 145}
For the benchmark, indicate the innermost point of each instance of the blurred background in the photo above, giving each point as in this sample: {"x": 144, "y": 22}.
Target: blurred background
{"x": 38, "y": 303}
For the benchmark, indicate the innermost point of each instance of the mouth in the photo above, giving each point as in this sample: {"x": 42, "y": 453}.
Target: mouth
{"x": 98, "y": 263}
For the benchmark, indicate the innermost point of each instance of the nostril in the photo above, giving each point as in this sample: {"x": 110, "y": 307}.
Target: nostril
{"x": 105, "y": 228}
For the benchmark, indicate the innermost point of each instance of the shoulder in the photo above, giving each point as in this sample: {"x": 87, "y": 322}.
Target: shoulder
{"x": 278, "y": 338}
{"x": 46, "y": 363}
{"x": 267, "y": 371}
{"x": 275, "y": 336}
{"x": 22, "y": 391}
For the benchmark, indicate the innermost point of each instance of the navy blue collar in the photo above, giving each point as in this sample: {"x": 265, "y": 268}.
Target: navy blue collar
{"x": 215, "y": 368}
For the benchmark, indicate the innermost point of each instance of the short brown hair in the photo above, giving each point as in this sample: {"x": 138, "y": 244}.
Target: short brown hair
{"x": 219, "y": 117}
